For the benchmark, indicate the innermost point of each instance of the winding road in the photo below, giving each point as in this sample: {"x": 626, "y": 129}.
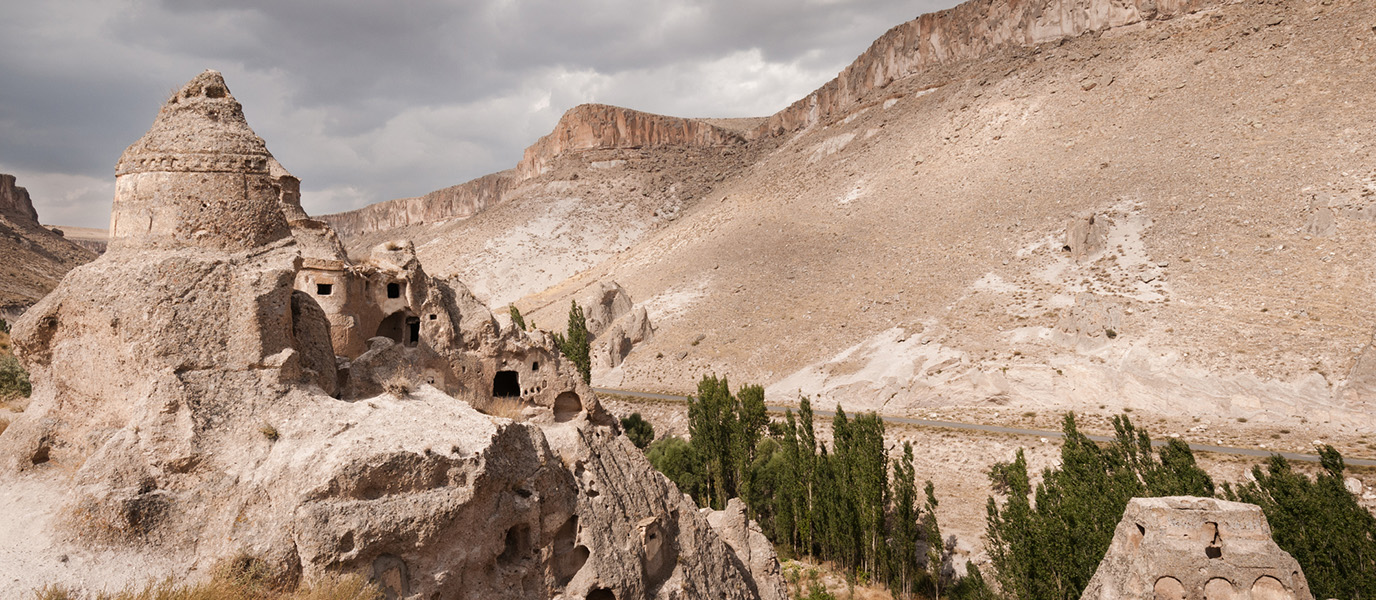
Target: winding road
{"x": 1361, "y": 462}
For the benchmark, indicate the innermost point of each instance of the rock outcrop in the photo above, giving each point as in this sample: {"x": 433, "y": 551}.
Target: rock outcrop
{"x": 454, "y": 202}
{"x": 15, "y": 201}
{"x": 598, "y": 126}
{"x": 187, "y": 409}
{"x": 969, "y": 31}
{"x": 1184, "y": 547}
{"x": 35, "y": 257}
{"x": 751, "y": 547}
{"x": 584, "y": 127}
{"x": 616, "y": 324}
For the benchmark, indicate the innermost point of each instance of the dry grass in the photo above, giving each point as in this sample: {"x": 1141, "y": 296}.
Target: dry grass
{"x": 398, "y": 386}
{"x": 507, "y": 408}
{"x": 241, "y": 578}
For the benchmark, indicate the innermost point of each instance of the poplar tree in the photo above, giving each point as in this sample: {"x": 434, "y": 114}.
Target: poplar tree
{"x": 807, "y": 467}
{"x": 904, "y": 555}
{"x": 1319, "y": 522}
{"x": 1051, "y": 551}
{"x": 935, "y": 547}
{"x": 577, "y": 345}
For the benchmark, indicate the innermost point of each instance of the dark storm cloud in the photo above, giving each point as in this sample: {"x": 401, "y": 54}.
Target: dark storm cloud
{"x": 367, "y": 101}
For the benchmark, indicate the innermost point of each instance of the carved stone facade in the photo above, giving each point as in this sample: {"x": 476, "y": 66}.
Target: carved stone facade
{"x": 1185, "y": 548}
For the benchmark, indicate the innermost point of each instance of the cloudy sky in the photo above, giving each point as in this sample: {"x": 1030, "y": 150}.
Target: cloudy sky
{"x": 366, "y": 101}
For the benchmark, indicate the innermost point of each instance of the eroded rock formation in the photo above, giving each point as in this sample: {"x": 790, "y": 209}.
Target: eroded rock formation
{"x": 598, "y": 126}
{"x": 189, "y": 405}
{"x": 1183, "y": 547}
{"x": 15, "y": 201}
{"x": 971, "y": 30}
{"x": 454, "y": 202}
{"x": 615, "y": 322}
{"x": 35, "y": 257}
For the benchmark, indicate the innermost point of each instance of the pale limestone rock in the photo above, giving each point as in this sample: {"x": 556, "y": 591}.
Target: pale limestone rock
{"x": 182, "y": 413}
{"x": 1086, "y": 237}
{"x": 1184, "y": 547}
{"x": 752, "y": 548}
{"x": 616, "y": 324}
{"x": 231, "y": 204}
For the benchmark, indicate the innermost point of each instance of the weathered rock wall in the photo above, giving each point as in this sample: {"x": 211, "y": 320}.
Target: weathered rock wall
{"x": 598, "y": 126}
{"x": 35, "y": 257}
{"x": 14, "y": 200}
{"x": 454, "y": 202}
{"x": 968, "y": 31}
{"x": 585, "y": 127}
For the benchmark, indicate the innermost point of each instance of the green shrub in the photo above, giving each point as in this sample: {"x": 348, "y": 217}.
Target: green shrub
{"x": 1318, "y": 522}
{"x": 517, "y": 318}
{"x": 14, "y": 380}
{"x": 640, "y": 431}
{"x": 673, "y": 456}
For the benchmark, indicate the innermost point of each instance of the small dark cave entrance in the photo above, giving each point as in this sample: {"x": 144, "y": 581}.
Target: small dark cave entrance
{"x": 400, "y": 327}
{"x": 507, "y": 384}
{"x": 394, "y": 290}
{"x": 412, "y": 331}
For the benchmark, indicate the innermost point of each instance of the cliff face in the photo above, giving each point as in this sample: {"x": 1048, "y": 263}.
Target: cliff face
{"x": 14, "y": 200}
{"x": 598, "y": 126}
{"x": 454, "y": 202}
{"x": 968, "y": 31}
{"x": 585, "y": 127}
{"x": 35, "y": 258}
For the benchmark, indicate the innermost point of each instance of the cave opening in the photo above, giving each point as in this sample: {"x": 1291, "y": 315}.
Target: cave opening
{"x": 507, "y": 384}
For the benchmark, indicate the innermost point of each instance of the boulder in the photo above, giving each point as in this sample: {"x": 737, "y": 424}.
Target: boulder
{"x": 1184, "y": 547}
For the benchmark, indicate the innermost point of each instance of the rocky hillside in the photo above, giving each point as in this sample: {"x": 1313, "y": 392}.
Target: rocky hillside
{"x": 35, "y": 258}
{"x": 582, "y": 128}
{"x": 1007, "y": 206}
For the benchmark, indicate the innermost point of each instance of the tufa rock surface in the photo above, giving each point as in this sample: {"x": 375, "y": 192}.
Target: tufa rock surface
{"x": 232, "y": 203}
{"x": 1183, "y": 547}
{"x": 190, "y": 404}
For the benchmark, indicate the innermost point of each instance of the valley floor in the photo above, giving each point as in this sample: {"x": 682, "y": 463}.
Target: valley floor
{"x": 958, "y": 461}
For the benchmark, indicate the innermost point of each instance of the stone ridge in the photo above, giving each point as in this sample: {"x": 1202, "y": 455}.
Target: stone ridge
{"x": 968, "y": 31}
{"x": 15, "y": 201}
{"x": 454, "y": 202}
{"x": 583, "y": 127}
{"x": 599, "y": 126}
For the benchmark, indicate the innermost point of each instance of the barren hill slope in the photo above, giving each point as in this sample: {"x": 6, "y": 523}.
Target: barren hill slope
{"x": 1172, "y": 215}
{"x": 34, "y": 258}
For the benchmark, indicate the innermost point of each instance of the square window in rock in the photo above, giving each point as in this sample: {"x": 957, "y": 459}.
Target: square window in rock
{"x": 324, "y": 289}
